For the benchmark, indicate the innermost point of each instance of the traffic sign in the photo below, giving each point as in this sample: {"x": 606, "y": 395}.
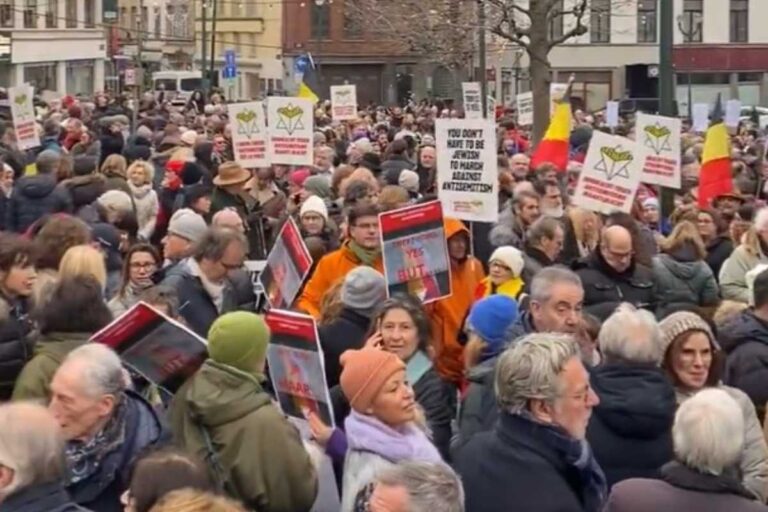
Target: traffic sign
{"x": 130, "y": 76}
{"x": 230, "y": 65}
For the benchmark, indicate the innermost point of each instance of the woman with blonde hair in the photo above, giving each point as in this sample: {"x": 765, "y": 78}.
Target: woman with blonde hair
{"x": 84, "y": 260}
{"x": 140, "y": 177}
{"x": 190, "y": 500}
{"x": 683, "y": 278}
{"x": 115, "y": 169}
{"x": 586, "y": 228}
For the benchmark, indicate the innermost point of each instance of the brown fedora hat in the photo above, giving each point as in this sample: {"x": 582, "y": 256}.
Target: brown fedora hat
{"x": 231, "y": 173}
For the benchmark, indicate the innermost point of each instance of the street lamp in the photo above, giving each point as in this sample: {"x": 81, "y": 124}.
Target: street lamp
{"x": 687, "y": 37}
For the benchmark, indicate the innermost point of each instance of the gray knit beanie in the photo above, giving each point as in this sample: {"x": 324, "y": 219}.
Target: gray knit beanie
{"x": 680, "y": 323}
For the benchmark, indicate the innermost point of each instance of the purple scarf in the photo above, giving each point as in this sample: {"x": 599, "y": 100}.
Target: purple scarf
{"x": 366, "y": 433}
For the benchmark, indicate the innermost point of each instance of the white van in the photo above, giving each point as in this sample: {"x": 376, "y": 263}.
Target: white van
{"x": 178, "y": 85}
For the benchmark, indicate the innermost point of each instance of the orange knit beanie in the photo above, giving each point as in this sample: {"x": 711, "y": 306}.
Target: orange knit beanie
{"x": 364, "y": 374}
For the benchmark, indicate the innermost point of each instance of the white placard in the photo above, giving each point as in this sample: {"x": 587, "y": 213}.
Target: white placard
{"x": 343, "y": 102}
{"x": 732, "y": 113}
{"x": 659, "y": 140}
{"x": 249, "y": 133}
{"x": 700, "y": 117}
{"x": 525, "y": 108}
{"x": 556, "y": 93}
{"x": 23, "y": 114}
{"x": 473, "y": 103}
{"x": 467, "y": 172}
{"x": 611, "y": 174}
{"x": 290, "y": 122}
{"x": 612, "y": 114}
{"x": 763, "y": 119}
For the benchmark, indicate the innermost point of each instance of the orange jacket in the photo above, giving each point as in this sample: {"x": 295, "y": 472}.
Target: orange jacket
{"x": 332, "y": 267}
{"x": 447, "y": 315}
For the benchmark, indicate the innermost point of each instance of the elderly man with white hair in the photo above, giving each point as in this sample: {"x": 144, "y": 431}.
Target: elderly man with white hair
{"x": 709, "y": 437}
{"x": 748, "y": 255}
{"x": 537, "y": 458}
{"x": 631, "y": 429}
{"x": 32, "y": 467}
{"x": 417, "y": 487}
{"x": 105, "y": 425}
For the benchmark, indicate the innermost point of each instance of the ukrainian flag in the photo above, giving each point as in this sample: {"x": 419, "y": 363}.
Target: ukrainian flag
{"x": 308, "y": 84}
{"x": 715, "y": 175}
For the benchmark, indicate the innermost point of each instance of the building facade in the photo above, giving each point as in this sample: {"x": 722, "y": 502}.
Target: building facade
{"x": 720, "y": 45}
{"x": 253, "y": 30}
{"x": 160, "y": 32}
{"x": 54, "y": 45}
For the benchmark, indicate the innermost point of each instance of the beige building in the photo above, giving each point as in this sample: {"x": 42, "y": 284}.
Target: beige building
{"x": 165, "y": 29}
{"x": 253, "y": 29}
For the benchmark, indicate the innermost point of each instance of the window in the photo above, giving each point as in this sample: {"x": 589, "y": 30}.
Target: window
{"x": 50, "y": 14}
{"x": 158, "y": 23}
{"x": 250, "y": 9}
{"x": 6, "y": 13}
{"x": 30, "y": 14}
{"x": 320, "y": 20}
{"x": 90, "y": 12}
{"x": 71, "y": 13}
{"x": 693, "y": 19}
{"x": 144, "y": 20}
{"x": 739, "y": 21}
{"x": 600, "y": 21}
{"x": 353, "y": 29}
{"x": 556, "y": 19}
{"x": 646, "y": 21}
{"x": 134, "y": 18}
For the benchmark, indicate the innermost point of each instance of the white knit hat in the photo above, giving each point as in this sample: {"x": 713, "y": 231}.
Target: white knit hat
{"x": 315, "y": 205}
{"x": 510, "y": 257}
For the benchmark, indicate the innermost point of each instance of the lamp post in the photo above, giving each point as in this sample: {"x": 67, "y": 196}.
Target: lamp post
{"x": 687, "y": 37}
{"x": 665, "y": 8}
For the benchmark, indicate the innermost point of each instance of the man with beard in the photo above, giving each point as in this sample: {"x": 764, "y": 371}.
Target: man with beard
{"x": 515, "y": 221}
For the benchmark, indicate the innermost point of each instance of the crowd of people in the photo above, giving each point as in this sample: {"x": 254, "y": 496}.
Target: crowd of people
{"x": 582, "y": 362}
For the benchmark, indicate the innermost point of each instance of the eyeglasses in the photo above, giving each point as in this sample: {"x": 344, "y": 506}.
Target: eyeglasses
{"x": 143, "y": 266}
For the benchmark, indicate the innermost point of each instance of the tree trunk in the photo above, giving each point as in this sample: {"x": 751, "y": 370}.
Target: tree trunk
{"x": 540, "y": 81}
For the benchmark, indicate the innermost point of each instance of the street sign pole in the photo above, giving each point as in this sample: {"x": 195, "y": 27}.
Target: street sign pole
{"x": 666, "y": 83}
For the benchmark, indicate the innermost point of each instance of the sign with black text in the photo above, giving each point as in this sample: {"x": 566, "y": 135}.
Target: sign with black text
{"x": 288, "y": 264}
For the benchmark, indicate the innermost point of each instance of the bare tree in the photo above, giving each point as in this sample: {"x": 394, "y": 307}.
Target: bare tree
{"x": 529, "y": 27}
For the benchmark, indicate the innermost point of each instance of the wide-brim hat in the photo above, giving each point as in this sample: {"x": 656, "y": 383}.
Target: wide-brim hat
{"x": 729, "y": 195}
{"x": 231, "y": 175}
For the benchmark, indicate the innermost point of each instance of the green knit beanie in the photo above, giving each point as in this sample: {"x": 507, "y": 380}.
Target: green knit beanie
{"x": 239, "y": 340}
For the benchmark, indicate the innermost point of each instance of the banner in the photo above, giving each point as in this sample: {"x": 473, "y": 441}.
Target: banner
{"x": 472, "y": 100}
{"x": 612, "y": 114}
{"x": 525, "y": 109}
{"x": 288, "y": 264}
{"x": 296, "y": 366}
{"x": 291, "y": 123}
{"x": 415, "y": 252}
{"x": 160, "y": 349}
{"x": 659, "y": 137}
{"x": 23, "y": 114}
{"x": 610, "y": 176}
{"x": 249, "y": 133}
{"x": 556, "y": 93}
{"x": 700, "y": 117}
{"x": 343, "y": 102}
{"x": 732, "y": 113}
{"x": 467, "y": 174}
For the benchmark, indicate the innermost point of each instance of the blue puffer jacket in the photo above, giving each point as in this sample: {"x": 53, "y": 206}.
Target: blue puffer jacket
{"x": 143, "y": 429}
{"x": 32, "y": 198}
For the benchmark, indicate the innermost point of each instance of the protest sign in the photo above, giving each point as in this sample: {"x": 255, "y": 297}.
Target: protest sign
{"x": 288, "y": 264}
{"x": 472, "y": 97}
{"x": 296, "y": 365}
{"x": 610, "y": 176}
{"x": 23, "y": 114}
{"x": 732, "y": 113}
{"x": 343, "y": 102}
{"x": 612, "y": 114}
{"x": 467, "y": 175}
{"x": 763, "y": 121}
{"x": 415, "y": 252}
{"x": 556, "y": 93}
{"x": 700, "y": 117}
{"x": 659, "y": 138}
{"x": 249, "y": 133}
{"x": 290, "y": 124}
{"x": 160, "y": 349}
{"x": 525, "y": 108}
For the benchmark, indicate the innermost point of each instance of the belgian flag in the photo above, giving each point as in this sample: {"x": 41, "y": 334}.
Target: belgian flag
{"x": 554, "y": 147}
{"x": 715, "y": 175}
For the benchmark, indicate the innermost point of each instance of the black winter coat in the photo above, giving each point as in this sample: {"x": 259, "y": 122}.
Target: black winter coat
{"x": 195, "y": 305}
{"x": 605, "y": 289}
{"x": 143, "y": 430}
{"x": 717, "y": 252}
{"x": 512, "y": 468}
{"x": 631, "y": 428}
{"x": 16, "y": 344}
{"x": 32, "y": 198}
{"x": 84, "y": 190}
{"x": 345, "y": 333}
{"x": 745, "y": 341}
{"x": 50, "y": 497}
